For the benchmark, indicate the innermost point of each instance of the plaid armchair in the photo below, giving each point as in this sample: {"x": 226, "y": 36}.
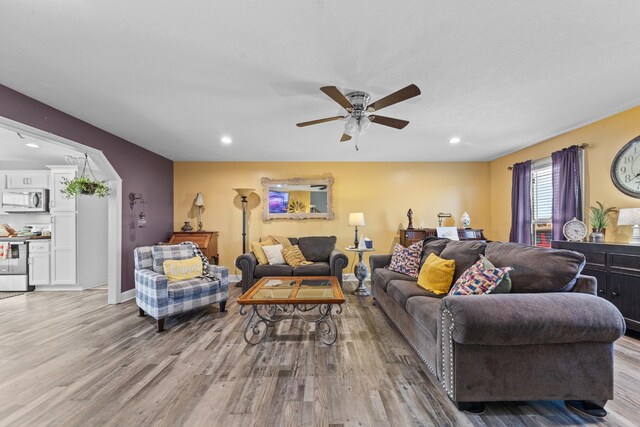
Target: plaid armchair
{"x": 159, "y": 298}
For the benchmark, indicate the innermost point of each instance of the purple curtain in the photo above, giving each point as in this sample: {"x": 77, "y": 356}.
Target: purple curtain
{"x": 567, "y": 194}
{"x": 521, "y": 203}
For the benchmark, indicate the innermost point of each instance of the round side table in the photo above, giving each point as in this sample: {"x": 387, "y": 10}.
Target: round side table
{"x": 361, "y": 272}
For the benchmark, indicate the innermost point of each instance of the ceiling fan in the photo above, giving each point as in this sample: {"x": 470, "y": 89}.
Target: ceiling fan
{"x": 360, "y": 111}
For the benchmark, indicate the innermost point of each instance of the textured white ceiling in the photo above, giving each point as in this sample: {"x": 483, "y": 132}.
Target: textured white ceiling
{"x": 175, "y": 76}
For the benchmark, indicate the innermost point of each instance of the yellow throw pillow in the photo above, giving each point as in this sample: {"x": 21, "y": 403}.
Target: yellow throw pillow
{"x": 436, "y": 274}
{"x": 294, "y": 257}
{"x": 256, "y": 248}
{"x": 182, "y": 269}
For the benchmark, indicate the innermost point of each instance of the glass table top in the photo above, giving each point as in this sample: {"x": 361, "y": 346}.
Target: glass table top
{"x": 288, "y": 290}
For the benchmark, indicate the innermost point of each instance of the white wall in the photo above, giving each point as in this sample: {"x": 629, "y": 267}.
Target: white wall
{"x": 92, "y": 241}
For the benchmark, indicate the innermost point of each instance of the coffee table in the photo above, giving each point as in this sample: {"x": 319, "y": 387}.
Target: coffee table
{"x": 313, "y": 299}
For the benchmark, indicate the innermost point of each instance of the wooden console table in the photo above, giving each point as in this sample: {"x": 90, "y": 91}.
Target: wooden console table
{"x": 616, "y": 266}
{"x": 412, "y": 235}
{"x": 207, "y": 241}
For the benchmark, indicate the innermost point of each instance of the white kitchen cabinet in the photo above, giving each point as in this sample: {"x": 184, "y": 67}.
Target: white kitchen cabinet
{"x": 27, "y": 179}
{"x": 57, "y": 201}
{"x": 39, "y": 263}
{"x": 63, "y": 248}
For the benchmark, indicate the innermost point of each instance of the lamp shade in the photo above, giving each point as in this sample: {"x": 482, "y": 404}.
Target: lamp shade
{"x": 629, "y": 216}
{"x": 243, "y": 192}
{"x": 356, "y": 218}
{"x": 199, "y": 200}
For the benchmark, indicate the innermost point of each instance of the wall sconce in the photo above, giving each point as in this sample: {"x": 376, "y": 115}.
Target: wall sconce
{"x": 443, "y": 215}
{"x": 133, "y": 198}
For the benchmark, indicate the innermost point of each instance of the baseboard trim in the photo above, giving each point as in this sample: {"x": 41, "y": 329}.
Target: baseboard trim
{"x": 127, "y": 295}
{"x": 54, "y": 288}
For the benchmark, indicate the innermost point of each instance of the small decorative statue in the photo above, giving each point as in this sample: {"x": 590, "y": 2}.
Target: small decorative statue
{"x": 410, "y": 216}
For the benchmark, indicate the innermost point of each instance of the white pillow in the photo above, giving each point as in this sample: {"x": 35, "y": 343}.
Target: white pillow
{"x": 274, "y": 254}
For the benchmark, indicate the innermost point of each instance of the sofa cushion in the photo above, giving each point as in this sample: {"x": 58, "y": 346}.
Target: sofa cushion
{"x": 504, "y": 287}
{"x": 424, "y": 310}
{"x": 274, "y": 254}
{"x": 436, "y": 275}
{"x": 182, "y": 269}
{"x": 401, "y": 290}
{"x": 315, "y": 269}
{"x": 382, "y": 277}
{"x": 537, "y": 269}
{"x": 464, "y": 253}
{"x": 406, "y": 260}
{"x": 293, "y": 256}
{"x": 317, "y": 248}
{"x": 161, "y": 253}
{"x": 432, "y": 245}
{"x": 272, "y": 270}
{"x": 256, "y": 248}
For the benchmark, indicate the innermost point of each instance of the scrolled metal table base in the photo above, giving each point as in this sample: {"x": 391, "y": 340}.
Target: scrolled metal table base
{"x": 265, "y": 315}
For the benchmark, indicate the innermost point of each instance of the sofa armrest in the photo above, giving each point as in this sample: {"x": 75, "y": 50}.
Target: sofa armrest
{"x": 152, "y": 292}
{"x": 379, "y": 261}
{"x": 586, "y": 285}
{"x": 247, "y": 264}
{"x": 221, "y": 273}
{"x": 524, "y": 319}
{"x": 337, "y": 262}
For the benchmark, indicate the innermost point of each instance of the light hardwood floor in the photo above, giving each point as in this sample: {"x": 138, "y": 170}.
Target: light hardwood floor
{"x": 68, "y": 359}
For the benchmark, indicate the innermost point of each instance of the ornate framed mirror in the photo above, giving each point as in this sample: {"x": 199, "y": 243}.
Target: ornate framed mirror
{"x": 297, "y": 198}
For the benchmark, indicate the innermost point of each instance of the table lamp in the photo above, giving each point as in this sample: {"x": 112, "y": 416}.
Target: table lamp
{"x": 199, "y": 202}
{"x": 631, "y": 216}
{"x": 356, "y": 219}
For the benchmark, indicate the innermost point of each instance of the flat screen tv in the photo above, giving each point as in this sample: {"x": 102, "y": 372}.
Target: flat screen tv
{"x": 278, "y": 202}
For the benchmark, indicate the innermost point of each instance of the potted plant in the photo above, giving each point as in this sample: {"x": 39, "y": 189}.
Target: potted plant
{"x": 599, "y": 218}
{"x": 84, "y": 185}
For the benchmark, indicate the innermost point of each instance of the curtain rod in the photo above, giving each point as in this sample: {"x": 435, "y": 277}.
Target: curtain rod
{"x": 582, "y": 146}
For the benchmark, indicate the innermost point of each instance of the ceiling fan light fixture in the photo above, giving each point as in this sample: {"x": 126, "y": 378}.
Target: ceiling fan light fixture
{"x": 226, "y": 139}
{"x": 351, "y": 127}
{"x": 365, "y": 124}
{"x": 454, "y": 140}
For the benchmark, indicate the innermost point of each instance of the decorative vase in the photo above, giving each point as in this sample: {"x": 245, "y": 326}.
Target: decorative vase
{"x": 597, "y": 235}
{"x": 465, "y": 220}
{"x": 186, "y": 227}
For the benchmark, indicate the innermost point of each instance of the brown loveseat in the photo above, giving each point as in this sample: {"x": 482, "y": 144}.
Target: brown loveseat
{"x": 551, "y": 338}
{"x": 321, "y": 250}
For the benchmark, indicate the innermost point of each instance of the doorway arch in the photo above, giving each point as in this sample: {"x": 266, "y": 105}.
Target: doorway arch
{"x": 114, "y": 227}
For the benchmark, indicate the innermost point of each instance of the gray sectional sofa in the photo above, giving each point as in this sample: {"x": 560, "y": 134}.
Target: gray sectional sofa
{"x": 551, "y": 338}
{"x": 321, "y": 250}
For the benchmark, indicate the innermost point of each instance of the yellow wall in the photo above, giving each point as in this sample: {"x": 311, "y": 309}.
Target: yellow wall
{"x": 383, "y": 191}
{"x": 605, "y": 138}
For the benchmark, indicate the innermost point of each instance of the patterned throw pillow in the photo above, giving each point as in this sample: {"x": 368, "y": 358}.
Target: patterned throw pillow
{"x": 478, "y": 280}
{"x": 504, "y": 287}
{"x": 293, "y": 256}
{"x": 406, "y": 260}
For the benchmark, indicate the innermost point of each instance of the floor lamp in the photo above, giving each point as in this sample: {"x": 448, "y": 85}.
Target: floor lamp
{"x": 244, "y": 193}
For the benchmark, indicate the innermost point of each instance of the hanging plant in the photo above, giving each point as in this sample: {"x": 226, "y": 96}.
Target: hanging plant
{"x": 84, "y": 185}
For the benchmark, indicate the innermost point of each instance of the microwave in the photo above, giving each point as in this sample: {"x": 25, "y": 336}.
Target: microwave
{"x": 27, "y": 200}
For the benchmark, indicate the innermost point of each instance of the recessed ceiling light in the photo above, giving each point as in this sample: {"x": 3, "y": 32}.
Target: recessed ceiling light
{"x": 226, "y": 140}
{"x": 454, "y": 140}
{"x": 32, "y": 145}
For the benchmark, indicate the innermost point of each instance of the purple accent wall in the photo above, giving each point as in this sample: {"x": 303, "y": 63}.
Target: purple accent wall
{"x": 141, "y": 170}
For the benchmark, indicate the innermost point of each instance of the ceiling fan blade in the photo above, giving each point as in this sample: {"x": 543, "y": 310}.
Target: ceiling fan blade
{"x": 345, "y": 137}
{"x": 399, "y": 96}
{"x": 315, "y": 122}
{"x": 388, "y": 121}
{"x": 333, "y": 93}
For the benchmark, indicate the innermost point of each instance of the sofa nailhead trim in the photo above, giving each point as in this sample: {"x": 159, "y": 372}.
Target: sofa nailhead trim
{"x": 448, "y": 388}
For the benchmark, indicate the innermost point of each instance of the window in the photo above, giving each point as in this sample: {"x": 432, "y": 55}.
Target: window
{"x": 541, "y": 200}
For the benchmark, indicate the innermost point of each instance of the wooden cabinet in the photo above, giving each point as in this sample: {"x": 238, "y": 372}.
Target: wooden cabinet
{"x": 207, "y": 241}
{"x": 27, "y": 179}
{"x": 39, "y": 263}
{"x": 413, "y": 235}
{"x": 616, "y": 266}
{"x": 63, "y": 249}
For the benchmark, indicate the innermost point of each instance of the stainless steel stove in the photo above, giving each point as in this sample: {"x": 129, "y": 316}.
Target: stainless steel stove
{"x": 14, "y": 268}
